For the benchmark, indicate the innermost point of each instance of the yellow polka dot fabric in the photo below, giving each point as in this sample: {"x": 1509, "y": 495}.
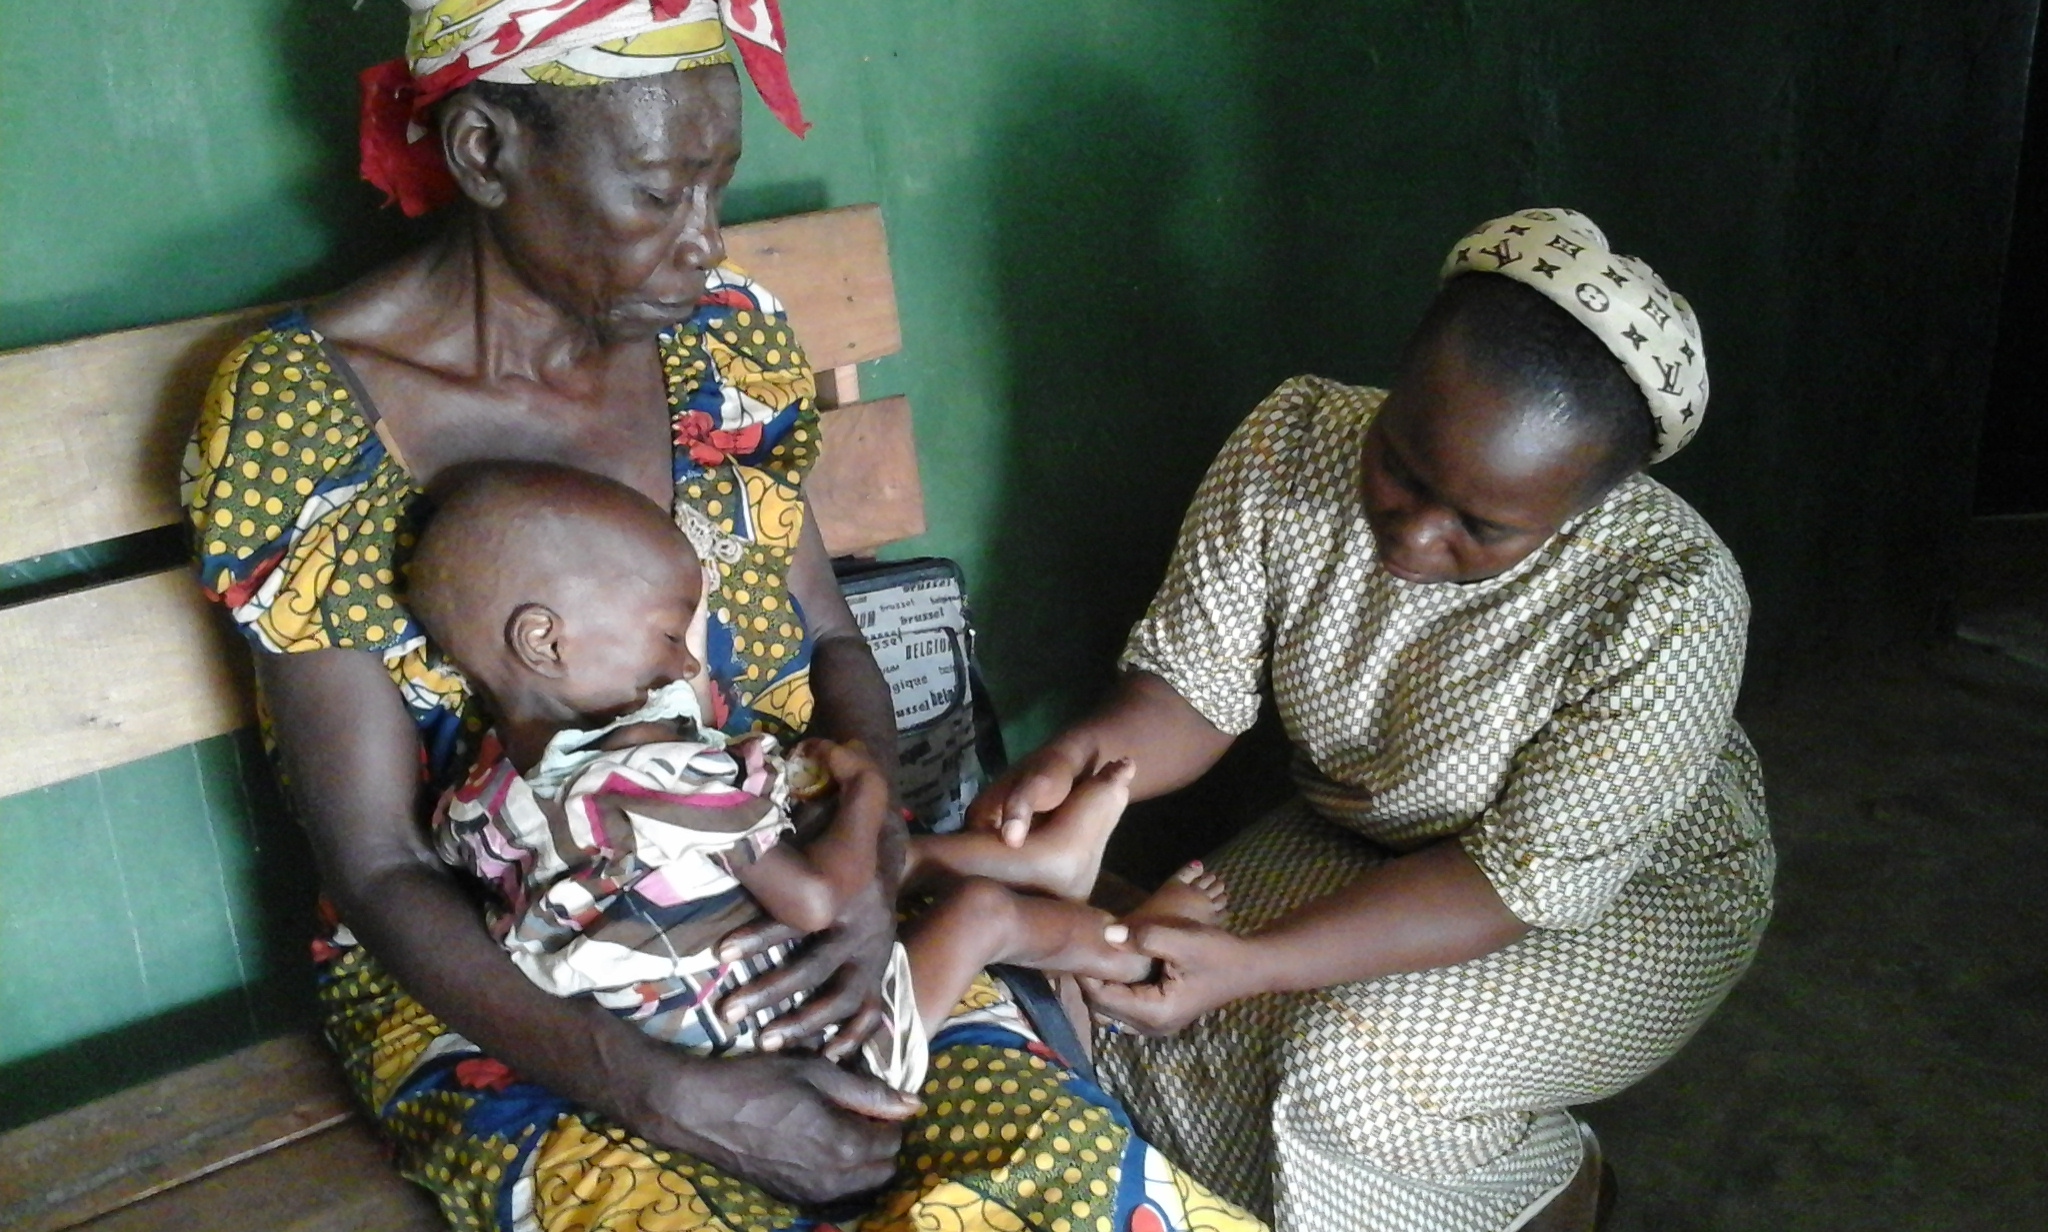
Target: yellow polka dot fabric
{"x": 303, "y": 520}
{"x": 299, "y": 521}
{"x": 1011, "y": 1138}
{"x": 744, "y": 406}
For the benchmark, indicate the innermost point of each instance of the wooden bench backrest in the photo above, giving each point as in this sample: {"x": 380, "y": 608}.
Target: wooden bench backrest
{"x": 96, "y": 429}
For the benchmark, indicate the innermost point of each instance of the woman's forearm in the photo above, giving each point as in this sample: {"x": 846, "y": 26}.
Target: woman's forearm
{"x": 850, "y": 700}
{"x": 852, "y": 703}
{"x": 428, "y": 933}
{"x": 1430, "y": 908}
{"x": 1169, "y": 743}
{"x": 845, "y": 963}
{"x": 352, "y": 756}
{"x": 1144, "y": 721}
{"x": 808, "y": 886}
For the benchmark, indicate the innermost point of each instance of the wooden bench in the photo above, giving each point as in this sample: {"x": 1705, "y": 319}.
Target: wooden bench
{"x": 268, "y": 1137}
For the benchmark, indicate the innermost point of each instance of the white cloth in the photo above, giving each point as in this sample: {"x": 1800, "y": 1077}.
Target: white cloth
{"x": 572, "y": 749}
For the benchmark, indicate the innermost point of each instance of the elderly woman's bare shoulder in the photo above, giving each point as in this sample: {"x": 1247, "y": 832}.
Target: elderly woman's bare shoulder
{"x": 403, "y": 310}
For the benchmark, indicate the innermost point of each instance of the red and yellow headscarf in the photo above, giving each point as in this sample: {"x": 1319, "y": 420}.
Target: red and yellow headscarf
{"x": 452, "y": 43}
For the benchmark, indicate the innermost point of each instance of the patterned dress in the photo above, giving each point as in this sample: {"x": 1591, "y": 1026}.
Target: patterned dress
{"x": 1569, "y": 721}
{"x": 304, "y": 521}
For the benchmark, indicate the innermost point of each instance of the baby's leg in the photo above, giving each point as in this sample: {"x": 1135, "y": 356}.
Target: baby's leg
{"x": 1062, "y": 855}
{"x": 976, "y": 921}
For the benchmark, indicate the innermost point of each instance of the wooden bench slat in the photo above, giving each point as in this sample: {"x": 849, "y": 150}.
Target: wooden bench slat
{"x": 106, "y": 676}
{"x": 865, "y": 490}
{"x": 340, "y": 1180}
{"x": 123, "y": 671}
{"x": 97, "y": 1158}
{"x": 96, "y": 427}
{"x": 831, "y": 271}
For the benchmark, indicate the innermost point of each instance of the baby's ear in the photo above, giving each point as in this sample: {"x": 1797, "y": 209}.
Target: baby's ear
{"x": 534, "y": 636}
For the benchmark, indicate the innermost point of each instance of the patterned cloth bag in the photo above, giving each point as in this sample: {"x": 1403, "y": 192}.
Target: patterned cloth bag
{"x": 948, "y": 740}
{"x": 915, "y": 616}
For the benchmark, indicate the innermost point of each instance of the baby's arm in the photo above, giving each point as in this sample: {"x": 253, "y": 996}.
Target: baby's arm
{"x": 786, "y": 880}
{"x": 789, "y": 886}
{"x": 806, "y": 887}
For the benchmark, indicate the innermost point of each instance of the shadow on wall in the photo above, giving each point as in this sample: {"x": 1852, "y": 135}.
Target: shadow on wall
{"x": 215, "y": 818}
{"x": 1126, "y": 370}
{"x": 1830, "y": 184}
{"x": 361, "y": 234}
{"x": 754, "y": 202}
{"x": 1116, "y": 386}
{"x": 300, "y": 225}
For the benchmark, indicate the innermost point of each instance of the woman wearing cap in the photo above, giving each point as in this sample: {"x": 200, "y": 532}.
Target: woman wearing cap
{"x": 574, "y": 309}
{"x": 1529, "y": 856}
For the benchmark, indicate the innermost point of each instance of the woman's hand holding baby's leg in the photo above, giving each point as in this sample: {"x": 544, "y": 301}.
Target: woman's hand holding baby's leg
{"x": 976, "y": 921}
{"x": 1061, "y": 856}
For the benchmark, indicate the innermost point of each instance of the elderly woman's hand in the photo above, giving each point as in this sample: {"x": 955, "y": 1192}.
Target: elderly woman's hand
{"x": 1200, "y": 969}
{"x": 797, "y": 1126}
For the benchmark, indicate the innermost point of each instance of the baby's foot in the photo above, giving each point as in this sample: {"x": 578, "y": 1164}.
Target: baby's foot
{"x": 1193, "y": 895}
{"x": 1063, "y": 853}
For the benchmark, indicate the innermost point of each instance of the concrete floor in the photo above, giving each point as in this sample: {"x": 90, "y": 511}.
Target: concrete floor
{"x": 1885, "y": 1064}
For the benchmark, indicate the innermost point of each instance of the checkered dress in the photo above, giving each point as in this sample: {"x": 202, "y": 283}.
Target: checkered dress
{"x": 1569, "y": 721}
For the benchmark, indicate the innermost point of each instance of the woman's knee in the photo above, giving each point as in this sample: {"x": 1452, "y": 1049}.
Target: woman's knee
{"x": 1352, "y": 1088}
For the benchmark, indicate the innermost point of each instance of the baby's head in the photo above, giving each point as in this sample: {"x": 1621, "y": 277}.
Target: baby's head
{"x": 565, "y": 596}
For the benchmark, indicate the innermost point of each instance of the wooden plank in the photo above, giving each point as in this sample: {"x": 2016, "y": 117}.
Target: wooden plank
{"x": 838, "y": 387}
{"x": 865, "y": 489}
{"x": 115, "y": 1151}
{"x": 105, "y": 676}
{"x": 95, "y": 430}
{"x": 831, "y": 270}
{"x": 123, "y": 671}
{"x": 339, "y": 1180}
{"x": 96, "y": 427}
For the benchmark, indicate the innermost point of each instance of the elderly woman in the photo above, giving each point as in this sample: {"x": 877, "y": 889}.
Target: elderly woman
{"x": 575, "y": 309}
{"x": 1529, "y": 856}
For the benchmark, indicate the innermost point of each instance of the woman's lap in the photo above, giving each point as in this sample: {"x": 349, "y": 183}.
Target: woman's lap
{"x": 1429, "y": 1077}
{"x": 1011, "y": 1138}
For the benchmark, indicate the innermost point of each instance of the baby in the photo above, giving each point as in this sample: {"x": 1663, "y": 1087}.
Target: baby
{"x": 623, "y": 836}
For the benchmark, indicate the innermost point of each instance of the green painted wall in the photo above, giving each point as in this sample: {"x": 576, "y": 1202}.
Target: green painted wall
{"x": 1830, "y": 183}
{"x": 1114, "y": 226}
